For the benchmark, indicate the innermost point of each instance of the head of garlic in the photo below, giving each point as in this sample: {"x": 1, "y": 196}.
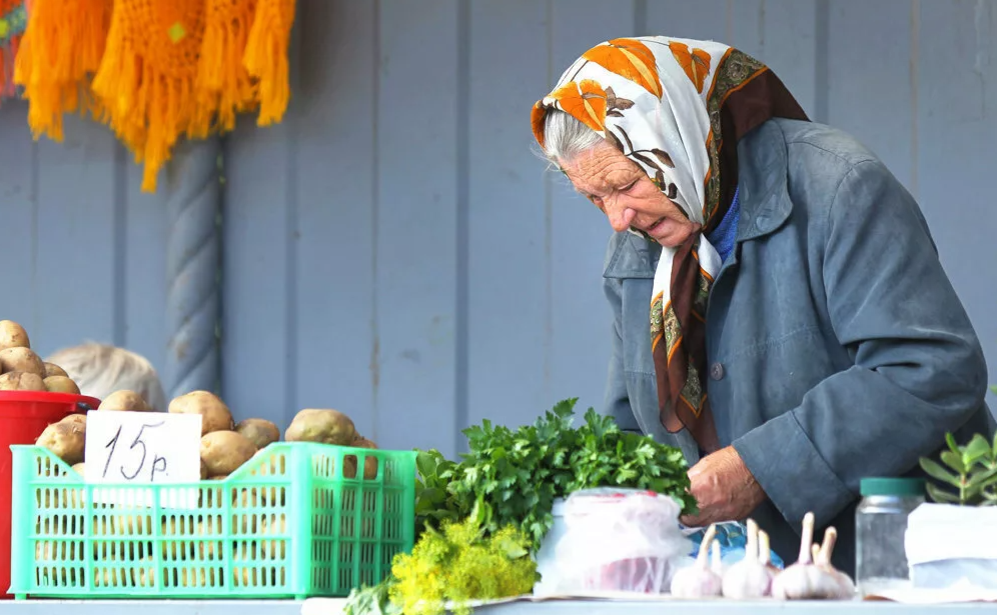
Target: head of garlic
{"x": 748, "y": 578}
{"x": 765, "y": 553}
{"x": 846, "y": 587}
{"x": 699, "y": 580}
{"x": 805, "y": 580}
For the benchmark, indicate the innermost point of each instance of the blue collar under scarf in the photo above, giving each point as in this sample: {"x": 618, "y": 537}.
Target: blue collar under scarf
{"x": 722, "y": 238}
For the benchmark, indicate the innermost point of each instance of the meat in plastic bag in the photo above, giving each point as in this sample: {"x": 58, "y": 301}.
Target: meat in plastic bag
{"x": 614, "y": 540}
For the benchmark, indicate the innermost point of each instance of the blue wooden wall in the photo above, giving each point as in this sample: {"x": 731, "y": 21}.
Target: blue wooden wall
{"x": 396, "y": 250}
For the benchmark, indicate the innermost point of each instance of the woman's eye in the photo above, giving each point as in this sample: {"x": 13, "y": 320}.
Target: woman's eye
{"x": 630, "y": 186}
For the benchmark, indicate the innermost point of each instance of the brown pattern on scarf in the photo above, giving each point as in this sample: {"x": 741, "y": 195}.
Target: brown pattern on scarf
{"x": 745, "y": 94}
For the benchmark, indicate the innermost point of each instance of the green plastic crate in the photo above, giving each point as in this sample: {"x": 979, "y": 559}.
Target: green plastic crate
{"x": 287, "y": 524}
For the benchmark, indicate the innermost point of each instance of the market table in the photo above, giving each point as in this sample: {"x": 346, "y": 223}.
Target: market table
{"x": 554, "y": 607}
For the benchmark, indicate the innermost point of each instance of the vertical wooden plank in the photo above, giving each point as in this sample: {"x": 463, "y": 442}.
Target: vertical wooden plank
{"x": 336, "y": 105}
{"x": 416, "y": 225}
{"x": 869, "y": 93}
{"x": 509, "y": 288}
{"x": 146, "y": 229}
{"x": 580, "y": 316}
{"x": 18, "y": 202}
{"x": 957, "y": 132}
{"x": 259, "y": 276}
{"x": 78, "y": 205}
{"x": 781, "y": 34}
{"x": 703, "y": 19}
{"x": 254, "y": 296}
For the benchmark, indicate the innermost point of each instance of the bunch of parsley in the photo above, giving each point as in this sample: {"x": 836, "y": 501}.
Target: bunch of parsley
{"x": 514, "y": 476}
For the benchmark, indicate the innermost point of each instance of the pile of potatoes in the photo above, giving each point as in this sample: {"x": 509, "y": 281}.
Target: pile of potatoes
{"x": 225, "y": 444}
{"x": 192, "y": 540}
{"x": 21, "y": 369}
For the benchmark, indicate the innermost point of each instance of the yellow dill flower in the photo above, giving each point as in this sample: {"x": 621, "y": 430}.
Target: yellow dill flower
{"x": 457, "y": 565}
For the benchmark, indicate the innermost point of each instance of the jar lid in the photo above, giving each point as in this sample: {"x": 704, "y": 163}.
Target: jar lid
{"x": 892, "y": 486}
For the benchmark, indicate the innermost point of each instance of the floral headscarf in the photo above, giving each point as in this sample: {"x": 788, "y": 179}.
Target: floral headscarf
{"x": 667, "y": 104}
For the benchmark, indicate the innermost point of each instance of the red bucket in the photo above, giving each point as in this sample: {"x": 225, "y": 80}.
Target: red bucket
{"x": 24, "y": 415}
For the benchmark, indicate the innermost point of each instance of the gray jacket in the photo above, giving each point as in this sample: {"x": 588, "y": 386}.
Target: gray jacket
{"x": 837, "y": 346}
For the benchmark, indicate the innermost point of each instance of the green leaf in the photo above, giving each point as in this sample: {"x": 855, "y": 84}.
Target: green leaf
{"x": 950, "y": 440}
{"x": 983, "y": 479}
{"x": 977, "y": 449}
{"x": 425, "y": 463}
{"x": 940, "y": 496}
{"x": 938, "y": 472}
{"x": 954, "y": 461}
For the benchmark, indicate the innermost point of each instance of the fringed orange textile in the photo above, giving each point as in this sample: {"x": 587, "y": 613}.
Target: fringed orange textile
{"x": 12, "y": 23}
{"x": 147, "y": 76}
{"x": 7, "y": 56}
{"x": 59, "y": 53}
{"x": 266, "y": 57}
{"x": 224, "y": 87}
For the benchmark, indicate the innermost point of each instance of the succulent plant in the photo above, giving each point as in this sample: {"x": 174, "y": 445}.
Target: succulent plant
{"x": 968, "y": 473}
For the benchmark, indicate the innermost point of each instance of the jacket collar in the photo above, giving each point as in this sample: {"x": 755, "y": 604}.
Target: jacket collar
{"x": 762, "y": 168}
{"x": 764, "y": 198}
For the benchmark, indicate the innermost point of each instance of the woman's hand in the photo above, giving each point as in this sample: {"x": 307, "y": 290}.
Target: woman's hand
{"x": 724, "y": 489}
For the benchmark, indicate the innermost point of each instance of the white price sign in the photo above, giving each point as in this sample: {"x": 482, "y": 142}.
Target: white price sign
{"x": 142, "y": 448}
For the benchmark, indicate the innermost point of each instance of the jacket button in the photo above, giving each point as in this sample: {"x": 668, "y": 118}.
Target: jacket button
{"x": 716, "y": 371}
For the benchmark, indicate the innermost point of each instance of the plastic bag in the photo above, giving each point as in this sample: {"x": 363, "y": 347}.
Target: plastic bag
{"x": 946, "y": 546}
{"x": 733, "y": 537}
{"x": 615, "y": 540}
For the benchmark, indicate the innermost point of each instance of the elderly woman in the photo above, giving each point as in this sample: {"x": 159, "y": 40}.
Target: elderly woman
{"x": 780, "y": 311}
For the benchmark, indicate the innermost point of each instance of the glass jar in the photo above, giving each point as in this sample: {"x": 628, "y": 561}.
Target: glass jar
{"x": 880, "y": 525}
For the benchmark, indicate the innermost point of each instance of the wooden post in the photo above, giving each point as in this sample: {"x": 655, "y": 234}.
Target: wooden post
{"x": 193, "y": 261}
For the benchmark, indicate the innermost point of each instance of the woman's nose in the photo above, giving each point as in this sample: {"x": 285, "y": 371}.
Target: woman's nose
{"x": 620, "y": 216}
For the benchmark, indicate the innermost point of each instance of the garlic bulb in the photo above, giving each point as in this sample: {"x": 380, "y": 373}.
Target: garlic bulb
{"x": 699, "y": 580}
{"x": 765, "y": 553}
{"x": 716, "y": 563}
{"x": 748, "y": 578}
{"x": 846, "y": 587}
{"x": 805, "y": 580}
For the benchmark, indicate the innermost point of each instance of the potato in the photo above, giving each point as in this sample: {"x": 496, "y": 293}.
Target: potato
{"x": 124, "y": 401}
{"x": 21, "y": 360}
{"x": 200, "y": 577}
{"x": 80, "y": 468}
{"x": 224, "y": 451}
{"x": 185, "y": 534}
{"x": 65, "y": 440}
{"x": 21, "y": 381}
{"x": 362, "y": 442}
{"x": 273, "y": 525}
{"x": 115, "y": 527}
{"x": 259, "y": 431}
{"x": 51, "y": 369}
{"x": 126, "y": 578}
{"x": 216, "y": 415}
{"x": 204, "y": 470}
{"x": 61, "y": 384}
{"x": 13, "y": 335}
{"x": 369, "y": 464}
{"x": 76, "y": 419}
{"x": 273, "y": 465}
{"x": 318, "y": 425}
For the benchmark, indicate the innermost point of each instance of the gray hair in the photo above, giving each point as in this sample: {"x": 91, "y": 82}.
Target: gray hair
{"x": 565, "y": 137}
{"x": 99, "y": 370}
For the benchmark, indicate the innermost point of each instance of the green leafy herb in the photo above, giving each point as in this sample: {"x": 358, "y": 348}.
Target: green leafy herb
{"x": 970, "y": 471}
{"x": 372, "y": 600}
{"x": 512, "y": 477}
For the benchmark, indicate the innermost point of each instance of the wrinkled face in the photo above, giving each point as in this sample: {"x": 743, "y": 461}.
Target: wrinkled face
{"x": 627, "y": 196}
